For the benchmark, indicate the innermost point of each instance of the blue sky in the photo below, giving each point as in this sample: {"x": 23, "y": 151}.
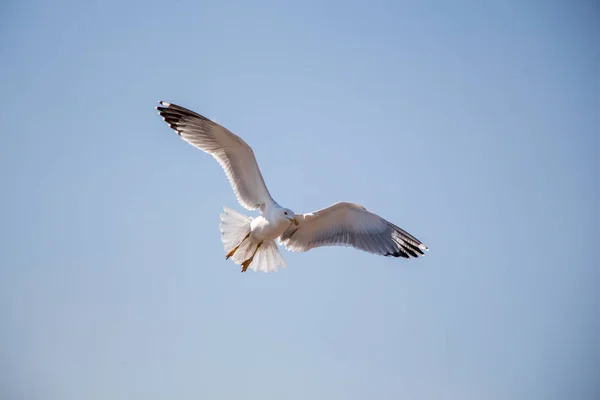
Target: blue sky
{"x": 473, "y": 126}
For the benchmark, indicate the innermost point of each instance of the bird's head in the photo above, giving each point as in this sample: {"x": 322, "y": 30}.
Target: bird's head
{"x": 289, "y": 215}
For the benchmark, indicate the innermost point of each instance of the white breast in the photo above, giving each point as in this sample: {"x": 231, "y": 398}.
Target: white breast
{"x": 263, "y": 229}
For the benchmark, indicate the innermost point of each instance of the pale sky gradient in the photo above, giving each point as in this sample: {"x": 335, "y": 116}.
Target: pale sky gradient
{"x": 472, "y": 125}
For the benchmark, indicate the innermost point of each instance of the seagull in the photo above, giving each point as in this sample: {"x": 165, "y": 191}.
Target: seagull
{"x": 251, "y": 242}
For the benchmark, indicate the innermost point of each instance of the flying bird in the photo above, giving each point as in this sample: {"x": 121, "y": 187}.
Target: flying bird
{"x": 250, "y": 242}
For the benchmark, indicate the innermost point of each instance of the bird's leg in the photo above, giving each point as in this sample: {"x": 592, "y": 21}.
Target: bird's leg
{"x": 232, "y": 252}
{"x": 247, "y": 263}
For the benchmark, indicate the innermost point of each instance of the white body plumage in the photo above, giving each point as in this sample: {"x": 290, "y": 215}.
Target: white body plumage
{"x": 251, "y": 242}
{"x": 268, "y": 228}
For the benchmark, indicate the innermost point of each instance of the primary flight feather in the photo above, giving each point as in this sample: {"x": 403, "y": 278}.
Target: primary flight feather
{"x": 250, "y": 242}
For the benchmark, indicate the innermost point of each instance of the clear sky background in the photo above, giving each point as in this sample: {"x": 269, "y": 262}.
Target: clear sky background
{"x": 473, "y": 126}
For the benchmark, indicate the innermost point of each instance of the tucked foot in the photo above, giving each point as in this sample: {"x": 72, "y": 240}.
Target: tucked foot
{"x": 247, "y": 263}
{"x": 232, "y": 252}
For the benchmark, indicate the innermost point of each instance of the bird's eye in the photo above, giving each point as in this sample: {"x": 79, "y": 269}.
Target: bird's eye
{"x": 285, "y": 212}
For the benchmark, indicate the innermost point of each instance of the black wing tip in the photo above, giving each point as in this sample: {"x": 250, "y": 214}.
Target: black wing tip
{"x": 164, "y": 105}
{"x": 409, "y": 245}
{"x": 408, "y": 250}
{"x": 397, "y": 254}
{"x": 176, "y": 110}
{"x": 167, "y": 116}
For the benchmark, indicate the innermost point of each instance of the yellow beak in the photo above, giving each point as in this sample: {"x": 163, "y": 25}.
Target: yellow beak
{"x": 294, "y": 221}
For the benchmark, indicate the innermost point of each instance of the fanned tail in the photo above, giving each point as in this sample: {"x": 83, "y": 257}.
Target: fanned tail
{"x": 235, "y": 228}
{"x": 267, "y": 258}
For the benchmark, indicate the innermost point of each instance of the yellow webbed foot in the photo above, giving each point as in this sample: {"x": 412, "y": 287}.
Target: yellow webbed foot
{"x": 232, "y": 252}
{"x": 246, "y": 264}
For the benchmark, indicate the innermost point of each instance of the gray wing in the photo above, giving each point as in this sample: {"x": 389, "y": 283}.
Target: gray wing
{"x": 347, "y": 224}
{"x": 234, "y": 155}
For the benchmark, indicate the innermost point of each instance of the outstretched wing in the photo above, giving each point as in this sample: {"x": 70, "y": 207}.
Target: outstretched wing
{"x": 347, "y": 224}
{"x": 234, "y": 155}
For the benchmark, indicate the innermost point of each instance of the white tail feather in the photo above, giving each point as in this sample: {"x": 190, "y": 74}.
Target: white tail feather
{"x": 234, "y": 228}
{"x": 267, "y": 258}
